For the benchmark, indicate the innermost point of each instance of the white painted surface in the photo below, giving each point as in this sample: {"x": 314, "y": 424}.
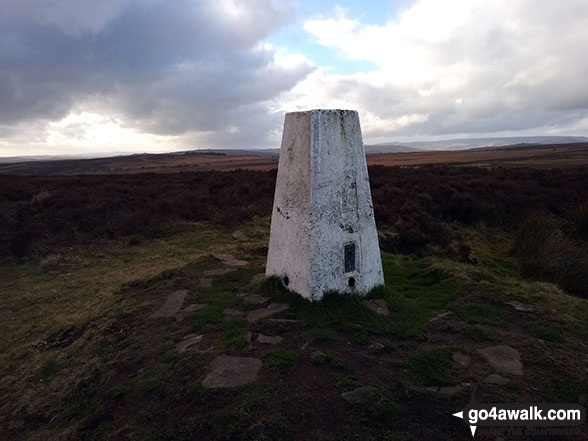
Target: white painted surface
{"x": 323, "y": 202}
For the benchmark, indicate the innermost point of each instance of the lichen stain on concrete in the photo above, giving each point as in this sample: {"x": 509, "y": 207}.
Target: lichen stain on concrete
{"x": 323, "y": 189}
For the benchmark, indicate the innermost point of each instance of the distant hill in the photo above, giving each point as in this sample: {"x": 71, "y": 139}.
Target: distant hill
{"x": 469, "y": 143}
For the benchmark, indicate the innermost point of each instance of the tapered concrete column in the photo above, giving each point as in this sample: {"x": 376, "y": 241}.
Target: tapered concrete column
{"x": 323, "y": 235}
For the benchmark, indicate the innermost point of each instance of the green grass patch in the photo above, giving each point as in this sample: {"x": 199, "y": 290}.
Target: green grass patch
{"x": 431, "y": 367}
{"x": 151, "y": 380}
{"x": 413, "y": 291}
{"x": 49, "y": 369}
{"x": 480, "y": 333}
{"x": 478, "y": 314}
{"x": 551, "y": 333}
{"x": 322, "y": 359}
{"x": 320, "y": 334}
{"x": 279, "y": 358}
{"x": 234, "y": 334}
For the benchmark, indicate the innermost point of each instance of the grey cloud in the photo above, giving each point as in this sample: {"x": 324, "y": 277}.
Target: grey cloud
{"x": 166, "y": 67}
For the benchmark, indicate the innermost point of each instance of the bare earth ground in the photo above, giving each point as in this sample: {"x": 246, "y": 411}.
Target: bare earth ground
{"x": 83, "y": 357}
{"x": 532, "y": 156}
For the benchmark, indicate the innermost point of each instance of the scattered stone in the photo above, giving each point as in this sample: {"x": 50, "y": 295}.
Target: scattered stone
{"x": 359, "y": 394}
{"x": 193, "y": 307}
{"x": 233, "y": 312}
{"x": 503, "y": 358}
{"x": 189, "y": 340}
{"x": 248, "y": 336}
{"x": 450, "y": 390}
{"x": 441, "y": 315}
{"x": 219, "y": 272}
{"x": 256, "y": 299}
{"x": 271, "y": 309}
{"x": 496, "y": 379}
{"x": 379, "y": 306}
{"x": 187, "y": 310}
{"x": 230, "y": 260}
{"x": 269, "y": 340}
{"x": 226, "y": 371}
{"x": 172, "y": 304}
{"x": 258, "y": 278}
{"x": 205, "y": 282}
{"x": 376, "y": 346}
{"x": 318, "y": 357}
{"x": 461, "y": 360}
{"x": 256, "y": 430}
{"x": 286, "y": 321}
{"x": 520, "y": 306}
{"x": 446, "y": 327}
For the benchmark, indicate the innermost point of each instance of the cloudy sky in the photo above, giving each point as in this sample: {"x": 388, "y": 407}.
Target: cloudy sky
{"x": 87, "y": 76}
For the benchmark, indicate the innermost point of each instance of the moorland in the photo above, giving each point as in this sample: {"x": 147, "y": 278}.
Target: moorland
{"x": 479, "y": 253}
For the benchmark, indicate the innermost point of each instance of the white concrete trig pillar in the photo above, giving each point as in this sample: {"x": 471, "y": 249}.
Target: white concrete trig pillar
{"x": 323, "y": 235}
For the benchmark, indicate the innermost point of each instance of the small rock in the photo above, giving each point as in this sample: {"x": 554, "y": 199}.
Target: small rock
{"x": 441, "y": 315}
{"x": 172, "y": 304}
{"x": 318, "y": 357}
{"x": 189, "y": 340}
{"x": 304, "y": 346}
{"x": 379, "y": 306}
{"x": 359, "y": 394}
{"x": 219, "y": 272}
{"x": 230, "y": 260}
{"x": 256, "y": 299}
{"x": 269, "y": 340}
{"x": 376, "y": 346}
{"x": 450, "y": 390}
{"x": 285, "y": 321}
{"x": 258, "y": 278}
{"x": 233, "y": 312}
{"x": 226, "y": 371}
{"x": 271, "y": 309}
{"x": 256, "y": 430}
{"x": 496, "y": 379}
{"x": 503, "y": 358}
{"x": 193, "y": 307}
{"x": 461, "y": 360}
{"x": 248, "y": 336}
{"x": 187, "y": 310}
{"x": 520, "y": 306}
{"x": 205, "y": 282}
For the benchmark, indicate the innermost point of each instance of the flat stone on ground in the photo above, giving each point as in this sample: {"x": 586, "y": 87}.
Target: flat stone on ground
{"x": 359, "y": 394}
{"x": 233, "y": 312}
{"x": 258, "y": 278}
{"x": 503, "y": 358}
{"x": 227, "y": 371}
{"x": 205, "y": 282}
{"x": 269, "y": 339}
{"x": 256, "y": 299}
{"x": 187, "y": 310}
{"x": 219, "y": 272}
{"x": 172, "y": 304}
{"x": 230, "y": 260}
{"x": 450, "y": 390}
{"x": 461, "y": 360}
{"x": 520, "y": 306}
{"x": 441, "y": 315}
{"x": 496, "y": 379}
{"x": 379, "y": 306}
{"x": 189, "y": 340}
{"x": 268, "y": 311}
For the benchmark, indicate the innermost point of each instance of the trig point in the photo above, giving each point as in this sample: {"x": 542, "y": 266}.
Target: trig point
{"x": 323, "y": 234}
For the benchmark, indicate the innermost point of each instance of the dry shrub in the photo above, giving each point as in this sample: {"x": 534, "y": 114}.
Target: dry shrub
{"x": 546, "y": 253}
